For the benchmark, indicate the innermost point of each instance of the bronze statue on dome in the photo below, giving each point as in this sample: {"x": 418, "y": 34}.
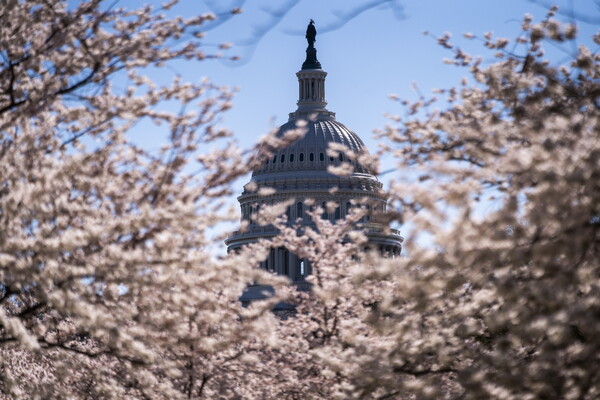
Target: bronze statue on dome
{"x": 311, "y": 33}
{"x": 311, "y": 61}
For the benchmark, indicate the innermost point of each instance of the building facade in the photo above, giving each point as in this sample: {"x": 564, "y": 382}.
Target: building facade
{"x": 299, "y": 172}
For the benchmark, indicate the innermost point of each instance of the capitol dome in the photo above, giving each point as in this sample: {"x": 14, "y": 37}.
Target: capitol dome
{"x": 301, "y": 173}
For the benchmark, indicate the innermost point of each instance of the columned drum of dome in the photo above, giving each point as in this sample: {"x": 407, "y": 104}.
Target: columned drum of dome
{"x": 299, "y": 171}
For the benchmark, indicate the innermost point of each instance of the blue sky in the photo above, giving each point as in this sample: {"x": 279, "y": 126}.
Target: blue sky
{"x": 370, "y": 48}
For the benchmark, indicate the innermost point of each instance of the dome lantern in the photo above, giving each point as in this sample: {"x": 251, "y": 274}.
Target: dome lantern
{"x": 311, "y": 79}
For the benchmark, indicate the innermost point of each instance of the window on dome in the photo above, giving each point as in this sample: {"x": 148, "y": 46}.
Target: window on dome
{"x": 330, "y": 158}
{"x": 301, "y": 157}
{"x": 299, "y": 210}
{"x": 291, "y": 158}
{"x": 311, "y": 157}
{"x": 282, "y": 157}
{"x": 322, "y": 157}
{"x": 286, "y": 262}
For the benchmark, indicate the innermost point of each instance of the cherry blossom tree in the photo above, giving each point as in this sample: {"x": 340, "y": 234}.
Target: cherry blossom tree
{"x": 500, "y": 299}
{"x": 108, "y": 288}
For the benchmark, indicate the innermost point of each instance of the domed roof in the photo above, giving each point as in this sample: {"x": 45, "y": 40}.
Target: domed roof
{"x": 320, "y": 132}
{"x": 297, "y": 171}
{"x": 310, "y": 151}
{"x": 318, "y": 127}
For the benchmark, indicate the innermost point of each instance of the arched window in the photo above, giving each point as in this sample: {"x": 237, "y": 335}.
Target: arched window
{"x": 348, "y": 208}
{"x": 282, "y": 157}
{"x": 341, "y": 157}
{"x": 325, "y": 214}
{"x": 311, "y": 157}
{"x": 299, "y": 210}
{"x": 337, "y": 213}
{"x": 322, "y": 157}
{"x": 291, "y": 158}
{"x": 267, "y": 161}
{"x": 301, "y": 157}
{"x": 288, "y": 213}
{"x": 274, "y": 158}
